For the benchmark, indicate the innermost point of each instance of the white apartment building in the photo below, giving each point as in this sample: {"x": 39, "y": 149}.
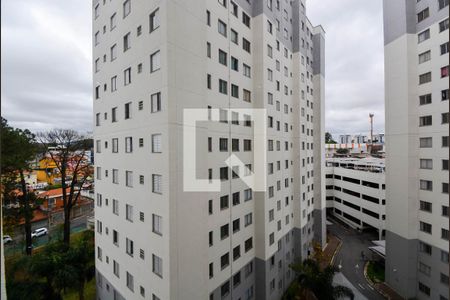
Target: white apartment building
{"x": 154, "y": 59}
{"x": 355, "y": 192}
{"x": 416, "y": 39}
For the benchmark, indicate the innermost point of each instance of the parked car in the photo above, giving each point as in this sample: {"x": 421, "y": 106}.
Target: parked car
{"x": 7, "y": 239}
{"x": 39, "y": 232}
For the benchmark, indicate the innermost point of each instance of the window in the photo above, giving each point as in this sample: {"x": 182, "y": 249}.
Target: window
{"x": 116, "y": 268}
{"x": 115, "y": 178}
{"x": 208, "y": 81}
{"x": 443, "y": 3}
{"x": 269, "y": 51}
{"x": 235, "y": 144}
{"x": 157, "y": 183}
{"x": 208, "y": 49}
{"x": 126, "y": 8}
{"x": 234, "y": 64}
{"x": 129, "y": 247}
{"x": 129, "y": 212}
{"x": 115, "y": 145}
{"x": 423, "y": 15}
{"x": 224, "y": 231}
{"x": 423, "y": 57}
{"x": 157, "y": 224}
{"x": 426, "y": 142}
{"x": 425, "y": 227}
{"x": 425, "y": 269}
{"x": 444, "y": 71}
{"x": 444, "y": 279}
{"x": 444, "y": 48}
{"x": 112, "y": 22}
{"x": 425, "y": 248}
{"x": 445, "y": 188}
{"x": 225, "y": 288}
{"x": 445, "y": 164}
{"x": 425, "y": 121}
{"x": 425, "y": 99}
{"x": 234, "y": 9}
{"x": 426, "y": 185}
{"x": 113, "y": 83}
{"x": 444, "y": 95}
{"x": 223, "y": 144}
{"x": 444, "y": 234}
{"x": 224, "y": 173}
{"x": 424, "y": 78}
{"x": 234, "y": 36}
{"x": 127, "y": 76}
{"x": 129, "y": 178}
{"x": 224, "y": 202}
{"x": 155, "y": 63}
{"x": 247, "y": 145}
{"x": 426, "y": 164}
{"x": 97, "y": 11}
{"x": 247, "y": 71}
{"x": 156, "y": 102}
{"x": 248, "y": 96}
{"x": 248, "y": 219}
{"x": 443, "y": 25}
{"x": 269, "y": 75}
{"x": 208, "y": 18}
{"x": 223, "y": 87}
{"x": 445, "y": 141}
{"x": 248, "y": 244}
{"x": 157, "y": 265}
{"x": 128, "y": 144}
{"x": 222, "y": 28}
{"x": 126, "y": 42}
{"x": 222, "y": 57}
{"x": 246, "y": 19}
{"x": 444, "y": 256}
{"x": 234, "y": 91}
{"x": 236, "y": 252}
{"x": 115, "y": 238}
{"x": 236, "y": 225}
{"x": 223, "y": 3}
{"x": 114, "y": 114}
{"x": 444, "y": 118}
{"x": 248, "y": 194}
{"x": 423, "y": 36}
{"x": 246, "y": 45}
{"x": 97, "y": 65}
{"x": 154, "y": 20}
{"x": 156, "y": 143}
{"x": 425, "y": 206}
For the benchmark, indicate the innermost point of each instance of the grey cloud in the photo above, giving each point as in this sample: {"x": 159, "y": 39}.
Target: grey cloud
{"x": 354, "y": 85}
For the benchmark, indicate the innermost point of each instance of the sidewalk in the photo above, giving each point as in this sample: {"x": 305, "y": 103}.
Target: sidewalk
{"x": 328, "y": 253}
{"x": 387, "y": 292}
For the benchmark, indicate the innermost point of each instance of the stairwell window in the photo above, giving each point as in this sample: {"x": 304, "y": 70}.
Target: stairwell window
{"x": 155, "y": 63}
{"x": 154, "y": 20}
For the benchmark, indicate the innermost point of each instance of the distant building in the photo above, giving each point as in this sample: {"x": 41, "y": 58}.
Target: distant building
{"x": 355, "y": 192}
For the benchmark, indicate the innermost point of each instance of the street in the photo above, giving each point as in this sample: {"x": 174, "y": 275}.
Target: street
{"x": 77, "y": 225}
{"x": 349, "y": 257}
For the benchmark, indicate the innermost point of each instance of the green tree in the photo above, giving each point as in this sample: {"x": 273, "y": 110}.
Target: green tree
{"x": 342, "y": 151}
{"x": 66, "y": 148}
{"x": 18, "y": 148}
{"x": 311, "y": 278}
{"x": 329, "y": 138}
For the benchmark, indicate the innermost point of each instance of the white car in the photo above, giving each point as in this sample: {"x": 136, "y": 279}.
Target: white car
{"x": 7, "y": 239}
{"x": 39, "y": 232}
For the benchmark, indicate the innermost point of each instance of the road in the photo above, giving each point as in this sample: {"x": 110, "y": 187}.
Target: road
{"x": 350, "y": 260}
{"x": 77, "y": 225}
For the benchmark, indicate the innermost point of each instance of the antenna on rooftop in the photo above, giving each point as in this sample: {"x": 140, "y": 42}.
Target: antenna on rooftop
{"x": 371, "y": 131}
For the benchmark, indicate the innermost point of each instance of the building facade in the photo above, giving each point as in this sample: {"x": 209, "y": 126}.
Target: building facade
{"x": 355, "y": 192}
{"x": 152, "y": 61}
{"x": 416, "y": 42}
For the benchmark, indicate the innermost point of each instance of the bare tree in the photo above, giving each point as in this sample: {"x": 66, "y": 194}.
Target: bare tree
{"x": 67, "y": 149}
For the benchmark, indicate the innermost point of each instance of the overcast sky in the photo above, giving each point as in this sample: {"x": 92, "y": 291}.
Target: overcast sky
{"x": 46, "y": 63}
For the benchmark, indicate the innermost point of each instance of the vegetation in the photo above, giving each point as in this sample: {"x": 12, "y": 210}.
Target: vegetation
{"x": 375, "y": 271}
{"x": 17, "y": 150}
{"x": 329, "y": 138}
{"x": 342, "y": 151}
{"x": 52, "y": 271}
{"x": 66, "y": 148}
{"x": 311, "y": 278}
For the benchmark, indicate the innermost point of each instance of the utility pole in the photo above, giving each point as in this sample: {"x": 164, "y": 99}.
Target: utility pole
{"x": 371, "y": 132}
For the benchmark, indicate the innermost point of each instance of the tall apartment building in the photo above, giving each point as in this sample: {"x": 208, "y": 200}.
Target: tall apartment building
{"x": 154, "y": 59}
{"x": 416, "y": 40}
{"x": 355, "y": 192}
